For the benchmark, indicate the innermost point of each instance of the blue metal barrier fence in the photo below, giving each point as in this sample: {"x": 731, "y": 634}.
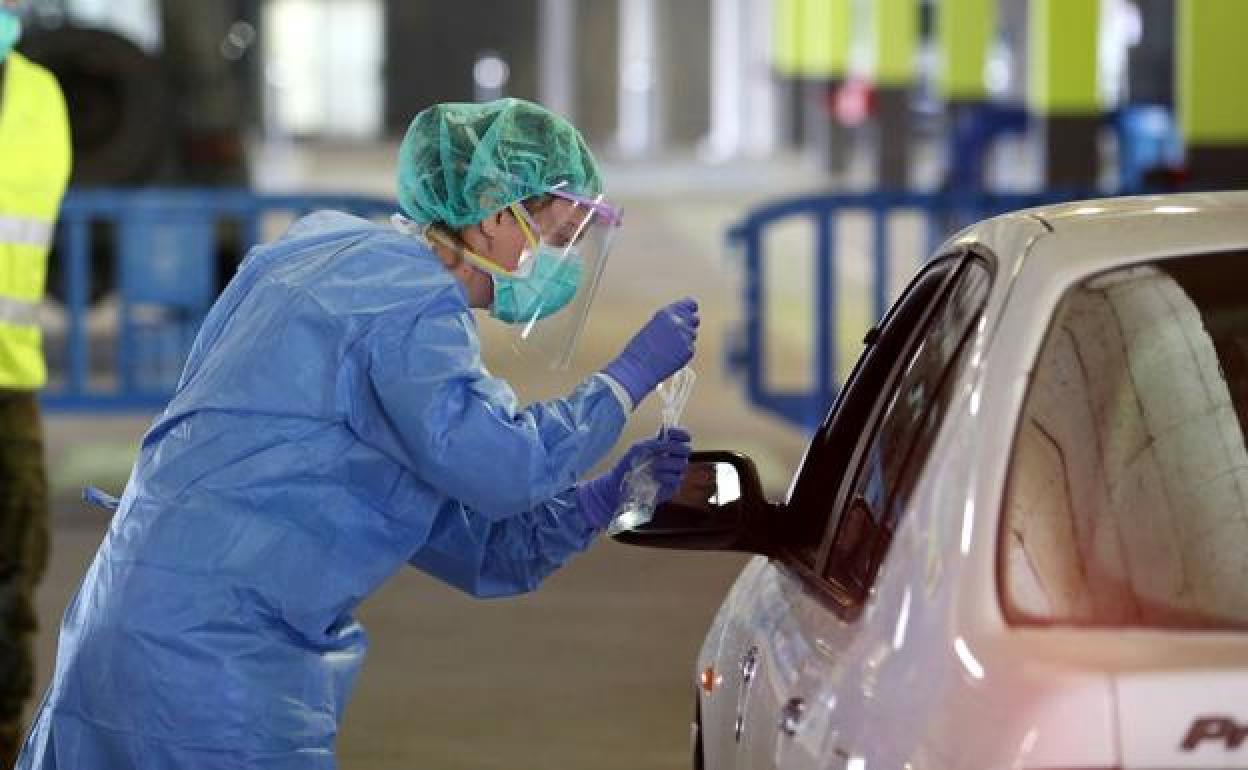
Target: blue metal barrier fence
{"x": 164, "y": 244}
{"x": 164, "y": 253}
{"x": 942, "y": 215}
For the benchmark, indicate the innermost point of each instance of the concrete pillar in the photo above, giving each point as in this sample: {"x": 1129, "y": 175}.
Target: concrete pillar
{"x": 824, "y": 61}
{"x": 1011, "y": 86}
{"x": 742, "y": 104}
{"x": 597, "y": 77}
{"x": 786, "y": 59}
{"x": 639, "y": 95}
{"x": 427, "y": 59}
{"x": 684, "y": 72}
{"x": 210, "y": 103}
{"x": 556, "y": 56}
{"x": 895, "y": 38}
{"x": 1151, "y": 63}
{"x": 1062, "y": 89}
{"x": 727, "y": 79}
{"x": 1213, "y": 106}
{"x": 762, "y": 104}
{"x": 965, "y": 31}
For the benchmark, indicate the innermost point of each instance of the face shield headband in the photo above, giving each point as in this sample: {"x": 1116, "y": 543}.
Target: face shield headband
{"x": 547, "y": 296}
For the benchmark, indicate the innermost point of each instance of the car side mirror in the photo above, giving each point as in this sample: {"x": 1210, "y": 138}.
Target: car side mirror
{"x": 717, "y": 508}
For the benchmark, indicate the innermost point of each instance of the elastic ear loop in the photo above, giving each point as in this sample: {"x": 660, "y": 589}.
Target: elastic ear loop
{"x": 466, "y": 254}
{"x": 479, "y": 261}
{"x": 526, "y": 224}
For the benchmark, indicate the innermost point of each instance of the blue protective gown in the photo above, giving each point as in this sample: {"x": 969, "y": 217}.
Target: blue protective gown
{"x": 333, "y": 423}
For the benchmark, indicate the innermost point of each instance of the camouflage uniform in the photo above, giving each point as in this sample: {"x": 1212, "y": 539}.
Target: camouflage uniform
{"x": 23, "y": 556}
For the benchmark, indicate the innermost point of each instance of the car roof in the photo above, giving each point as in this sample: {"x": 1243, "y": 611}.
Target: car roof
{"x": 1118, "y": 211}
{"x": 1089, "y": 235}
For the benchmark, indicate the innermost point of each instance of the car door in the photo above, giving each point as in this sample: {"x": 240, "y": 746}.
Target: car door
{"x": 850, "y": 703}
{"x": 800, "y": 613}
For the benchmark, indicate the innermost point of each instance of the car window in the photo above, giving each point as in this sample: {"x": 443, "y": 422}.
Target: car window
{"x": 813, "y": 499}
{"x": 1126, "y": 503}
{"x": 896, "y": 447}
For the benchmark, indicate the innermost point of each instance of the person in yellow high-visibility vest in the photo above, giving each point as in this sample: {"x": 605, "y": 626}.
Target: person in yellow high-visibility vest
{"x": 34, "y": 169}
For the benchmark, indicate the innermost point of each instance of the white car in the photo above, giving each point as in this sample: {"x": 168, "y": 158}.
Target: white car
{"x": 1020, "y": 538}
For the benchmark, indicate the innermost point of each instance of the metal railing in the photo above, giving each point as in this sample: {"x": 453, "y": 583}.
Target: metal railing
{"x": 942, "y": 215}
{"x": 163, "y": 247}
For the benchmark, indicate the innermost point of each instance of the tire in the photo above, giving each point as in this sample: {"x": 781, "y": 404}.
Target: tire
{"x": 119, "y": 111}
{"x": 119, "y": 118}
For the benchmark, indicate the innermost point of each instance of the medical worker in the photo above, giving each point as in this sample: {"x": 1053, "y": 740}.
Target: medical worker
{"x": 334, "y": 422}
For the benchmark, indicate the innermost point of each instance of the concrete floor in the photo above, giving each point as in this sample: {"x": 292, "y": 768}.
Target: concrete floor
{"x": 594, "y": 669}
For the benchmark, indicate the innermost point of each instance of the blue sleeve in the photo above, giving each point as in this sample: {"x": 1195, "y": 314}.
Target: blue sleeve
{"x": 431, "y": 405}
{"x": 502, "y": 558}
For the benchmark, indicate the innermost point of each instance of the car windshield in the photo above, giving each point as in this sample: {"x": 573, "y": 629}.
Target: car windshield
{"x": 1127, "y": 498}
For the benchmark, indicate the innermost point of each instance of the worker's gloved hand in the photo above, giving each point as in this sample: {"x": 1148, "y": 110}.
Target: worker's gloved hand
{"x": 662, "y": 347}
{"x": 668, "y": 456}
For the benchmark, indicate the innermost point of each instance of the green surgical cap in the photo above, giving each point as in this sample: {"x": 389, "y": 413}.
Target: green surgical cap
{"x": 460, "y": 163}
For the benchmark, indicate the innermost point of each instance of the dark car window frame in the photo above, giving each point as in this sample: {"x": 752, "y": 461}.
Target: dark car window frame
{"x": 825, "y": 446}
{"x": 849, "y": 580}
{"x": 852, "y": 413}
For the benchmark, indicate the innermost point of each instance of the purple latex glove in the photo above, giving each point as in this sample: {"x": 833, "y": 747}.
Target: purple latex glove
{"x": 662, "y": 347}
{"x": 599, "y": 499}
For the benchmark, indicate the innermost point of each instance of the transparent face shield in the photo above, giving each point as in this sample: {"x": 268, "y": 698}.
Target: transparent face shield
{"x": 549, "y": 296}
